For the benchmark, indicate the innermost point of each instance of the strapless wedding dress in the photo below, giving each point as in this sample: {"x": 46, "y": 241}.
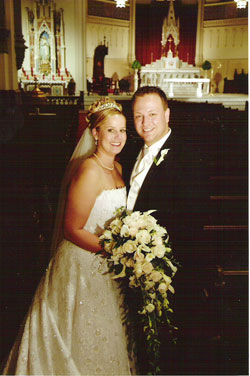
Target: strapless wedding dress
{"x": 74, "y": 325}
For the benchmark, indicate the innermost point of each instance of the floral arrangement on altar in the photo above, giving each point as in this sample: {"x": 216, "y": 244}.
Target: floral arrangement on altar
{"x": 139, "y": 255}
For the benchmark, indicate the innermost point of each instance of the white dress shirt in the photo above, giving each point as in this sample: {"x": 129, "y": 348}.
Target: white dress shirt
{"x": 142, "y": 165}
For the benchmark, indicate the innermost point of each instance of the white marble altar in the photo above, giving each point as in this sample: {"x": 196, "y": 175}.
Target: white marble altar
{"x": 174, "y": 77}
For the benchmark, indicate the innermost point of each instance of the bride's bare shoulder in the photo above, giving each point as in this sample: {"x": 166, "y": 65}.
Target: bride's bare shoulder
{"x": 88, "y": 169}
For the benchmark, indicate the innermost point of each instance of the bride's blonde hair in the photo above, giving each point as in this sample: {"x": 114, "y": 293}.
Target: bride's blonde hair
{"x": 101, "y": 110}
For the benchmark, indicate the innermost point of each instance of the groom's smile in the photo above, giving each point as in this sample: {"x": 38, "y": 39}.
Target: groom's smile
{"x": 150, "y": 118}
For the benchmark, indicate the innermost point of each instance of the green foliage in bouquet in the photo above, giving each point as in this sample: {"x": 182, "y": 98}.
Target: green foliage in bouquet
{"x": 139, "y": 255}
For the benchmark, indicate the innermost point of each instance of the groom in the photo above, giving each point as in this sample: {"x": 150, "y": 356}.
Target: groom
{"x": 166, "y": 177}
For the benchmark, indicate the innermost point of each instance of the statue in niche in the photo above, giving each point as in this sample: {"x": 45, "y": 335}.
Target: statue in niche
{"x": 44, "y": 48}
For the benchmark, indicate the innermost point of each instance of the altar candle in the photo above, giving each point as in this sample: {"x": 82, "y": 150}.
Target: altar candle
{"x": 31, "y": 71}
{"x": 53, "y": 77}
{"x": 62, "y": 77}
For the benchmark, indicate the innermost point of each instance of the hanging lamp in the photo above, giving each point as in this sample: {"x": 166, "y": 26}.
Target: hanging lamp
{"x": 120, "y": 3}
{"x": 241, "y": 3}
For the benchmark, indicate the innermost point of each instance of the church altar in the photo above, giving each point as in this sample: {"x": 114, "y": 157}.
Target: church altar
{"x": 45, "y": 63}
{"x": 172, "y": 75}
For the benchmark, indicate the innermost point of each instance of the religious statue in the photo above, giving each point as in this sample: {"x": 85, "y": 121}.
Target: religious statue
{"x": 44, "y": 49}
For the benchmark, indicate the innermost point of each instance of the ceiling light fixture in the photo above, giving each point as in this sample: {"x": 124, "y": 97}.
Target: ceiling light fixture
{"x": 120, "y": 3}
{"x": 241, "y": 3}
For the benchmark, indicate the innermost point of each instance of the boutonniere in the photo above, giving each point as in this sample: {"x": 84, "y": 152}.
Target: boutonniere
{"x": 161, "y": 157}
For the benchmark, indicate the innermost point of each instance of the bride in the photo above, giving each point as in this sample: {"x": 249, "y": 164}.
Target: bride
{"x": 74, "y": 326}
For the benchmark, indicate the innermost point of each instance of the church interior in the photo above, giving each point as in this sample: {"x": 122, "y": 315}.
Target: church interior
{"x": 57, "y": 57}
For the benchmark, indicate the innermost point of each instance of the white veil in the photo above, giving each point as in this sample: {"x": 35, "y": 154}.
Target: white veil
{"x": 84, "y": 148}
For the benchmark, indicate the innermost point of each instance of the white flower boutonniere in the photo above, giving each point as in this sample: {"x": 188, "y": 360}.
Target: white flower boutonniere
{"x": 162, "y": 156}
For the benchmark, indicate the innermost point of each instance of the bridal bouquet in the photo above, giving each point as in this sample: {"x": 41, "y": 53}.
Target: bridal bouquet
{"x": 139, "y": 255}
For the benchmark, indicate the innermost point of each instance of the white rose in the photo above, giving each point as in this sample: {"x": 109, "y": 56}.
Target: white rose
{"x": 131, "y": 220}
{"x": 130, "y": 263}
{"x": 151, "y": 222}
{"x": 133, "y": 231}
{"x": 144, "y": 248}
{"x": 124, "y": 231}
{"x": 116, "y": 225}
{"x": 107, "y": 234}
{"x": 160, "y": 231}
{"x": 143, "y": 237}
{"x": 156, "y": 276}
{"x": 150, "y": 307}
{"x": 118, "y": 251}
{"x": 162, "y": 287}
{"x": 147, "y": 267}
{"x": 159, "y": 251}
{"x": 129, "y": 247}
{"x": 138, "y": 269}
{"x": 149, "y": 257}
{"x": 157, "y": 241}
{"x": 138, "y": 256}
{"x": 141, "y": 223}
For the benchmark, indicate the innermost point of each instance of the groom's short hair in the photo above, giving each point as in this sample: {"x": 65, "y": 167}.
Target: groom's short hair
{"x": 144, "y": 90}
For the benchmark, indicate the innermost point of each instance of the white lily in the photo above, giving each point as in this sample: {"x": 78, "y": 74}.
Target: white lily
{"x": 162, "y": 156}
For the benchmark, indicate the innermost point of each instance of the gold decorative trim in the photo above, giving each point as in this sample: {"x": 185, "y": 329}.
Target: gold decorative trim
{"x": 107, "y": 21}
{"x": 218, "y": 4}
{"x": 226, "y": 22}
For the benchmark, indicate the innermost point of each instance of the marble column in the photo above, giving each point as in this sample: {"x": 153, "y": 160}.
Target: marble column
{"x": 199, "y": 34}
{"x": 8, "y": 71}
{"x": 131, "y": 52}
{"x": 80, "y": 44}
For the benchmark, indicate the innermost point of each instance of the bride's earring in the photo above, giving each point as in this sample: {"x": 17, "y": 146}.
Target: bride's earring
{"x": 96, "y": 141}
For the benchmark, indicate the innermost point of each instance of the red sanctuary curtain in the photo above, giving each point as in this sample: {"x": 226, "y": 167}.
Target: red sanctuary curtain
{"x": 149, "y": 20}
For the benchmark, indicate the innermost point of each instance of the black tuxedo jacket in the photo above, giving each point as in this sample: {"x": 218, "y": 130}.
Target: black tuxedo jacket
{"x": 174, "y": 190}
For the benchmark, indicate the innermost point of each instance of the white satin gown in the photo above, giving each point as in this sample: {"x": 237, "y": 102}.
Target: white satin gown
{"x": 74, "y": 324}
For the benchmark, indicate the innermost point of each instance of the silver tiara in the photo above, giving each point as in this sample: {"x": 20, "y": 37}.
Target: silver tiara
{"x": 108, "y": 105}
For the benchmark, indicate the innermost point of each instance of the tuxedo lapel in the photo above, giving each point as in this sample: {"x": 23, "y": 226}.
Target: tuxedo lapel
{"x": 161, "y": 167}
